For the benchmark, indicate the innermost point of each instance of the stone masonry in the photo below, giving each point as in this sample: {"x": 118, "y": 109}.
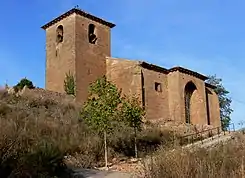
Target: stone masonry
{"x": 80, "y": 43}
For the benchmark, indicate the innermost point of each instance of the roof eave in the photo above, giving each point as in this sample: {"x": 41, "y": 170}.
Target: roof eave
{"x": 190, "y": 72}
{"x": 210, "y": 86}
{"x": 153, "y": 67}
{"x": 80, "y": 12}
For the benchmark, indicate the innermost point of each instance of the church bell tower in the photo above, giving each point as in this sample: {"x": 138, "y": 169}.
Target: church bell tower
{"x": 76, "y": 42}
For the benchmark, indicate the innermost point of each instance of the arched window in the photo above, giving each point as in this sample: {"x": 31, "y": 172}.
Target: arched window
{"x": 189, "y": 89}
{"x": 59, "y": 34}
{"x": 91, "y": 34}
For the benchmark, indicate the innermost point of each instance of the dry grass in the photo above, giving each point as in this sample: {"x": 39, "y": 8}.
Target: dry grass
{"x": 37, "y": 133}
{"x": 148, "y": 140}
{"x": 224, "y": 161}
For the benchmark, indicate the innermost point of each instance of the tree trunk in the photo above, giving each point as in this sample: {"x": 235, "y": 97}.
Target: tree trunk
{"x": 135, "y": 143}
{"x": 105, "y": 144}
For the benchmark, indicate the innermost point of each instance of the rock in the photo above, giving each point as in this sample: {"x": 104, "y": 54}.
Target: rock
{"x": 11, "y": 90}
{"x": 133, "y": 160}
{"x": 114, "y": 160}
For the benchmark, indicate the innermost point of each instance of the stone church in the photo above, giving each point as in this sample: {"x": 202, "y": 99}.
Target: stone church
{"x": 80, "y": 43}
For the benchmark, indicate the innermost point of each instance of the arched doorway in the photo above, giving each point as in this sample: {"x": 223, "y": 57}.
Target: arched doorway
{"x": 190, "y": 88}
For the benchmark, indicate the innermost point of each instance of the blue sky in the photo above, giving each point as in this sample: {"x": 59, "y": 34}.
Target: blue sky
{"x": 207, "y": 36}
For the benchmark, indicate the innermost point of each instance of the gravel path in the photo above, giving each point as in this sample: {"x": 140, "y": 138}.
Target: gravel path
{"x": 89, "y": 173}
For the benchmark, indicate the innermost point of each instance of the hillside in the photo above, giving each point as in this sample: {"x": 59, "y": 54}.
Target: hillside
{"x": 43, "y": 130}
{"x": 43, "y": 135}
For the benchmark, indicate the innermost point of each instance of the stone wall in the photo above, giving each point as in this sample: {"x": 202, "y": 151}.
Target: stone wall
{"x": 156, "y": 95}
{"x": 126, "y": 74}
{"x": 86, "y": 61}
{"x": 60, "y": 58}
{"x": 90, "y": 58}
{"x": 164, "y": 93}
{"x": 214, "y": 109}
{"x": 199, "y": 114}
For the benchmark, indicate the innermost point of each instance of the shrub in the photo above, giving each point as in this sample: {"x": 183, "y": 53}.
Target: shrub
{"x": 69, "y": 84}
{"x": 132, "y": 114}
{"x": 36, "y": 134}
{"x": 23, "y": 82}
{"x": 4, "y": 109}
{"x": 3, "y": 94}
{"x": 148, "y": 140}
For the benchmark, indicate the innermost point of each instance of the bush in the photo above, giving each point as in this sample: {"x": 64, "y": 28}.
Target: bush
{"x": 23, "y": 82}
{"x": 36, "y": 134}
{"x": 44, "y": 159}
{"x": 148, "y": 140}
{"x": 4, "y": 109}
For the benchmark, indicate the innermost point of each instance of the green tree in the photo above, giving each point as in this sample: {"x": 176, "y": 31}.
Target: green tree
{"x": 101, "y": 108}
{"x": 224, "y": 100}
{"x": 69, "y": 84}
{"x": 23, "y": 82}
{"x": 132, "y": 114}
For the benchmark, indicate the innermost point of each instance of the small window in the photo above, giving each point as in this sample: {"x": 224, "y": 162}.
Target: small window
{"x": 158, "y": 87}
{"x": 91, "y": 34}
{"x": 59, "y": 34}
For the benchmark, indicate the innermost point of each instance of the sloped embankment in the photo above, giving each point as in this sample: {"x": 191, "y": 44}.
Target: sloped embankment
{"x": 38, "y": 131}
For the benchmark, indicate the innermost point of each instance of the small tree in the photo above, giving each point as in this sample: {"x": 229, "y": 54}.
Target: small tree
{"x": 101, "y": 107}
{"x": 69, "y": 84}
{"x": 23, "y": 82}
{"x": 132, "y": 114}
{"x": 224, "y": 100}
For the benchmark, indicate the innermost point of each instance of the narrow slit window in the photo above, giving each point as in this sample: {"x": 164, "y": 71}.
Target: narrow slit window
{"x": 91, "y": 34}
{"x": 158, "y": 87}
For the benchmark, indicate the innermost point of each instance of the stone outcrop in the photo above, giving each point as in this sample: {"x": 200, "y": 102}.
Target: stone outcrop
{"x": 42, "y": 94}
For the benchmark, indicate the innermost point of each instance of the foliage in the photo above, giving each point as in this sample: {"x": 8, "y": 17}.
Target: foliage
{"x": 23, "y": 82}
{"x": 122, "y": 140}
{"x": 101, "y": 108}
{"x": 132, "y": 114}
{"x": 224, "y": 100}
{"x": 69, "y": 84}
